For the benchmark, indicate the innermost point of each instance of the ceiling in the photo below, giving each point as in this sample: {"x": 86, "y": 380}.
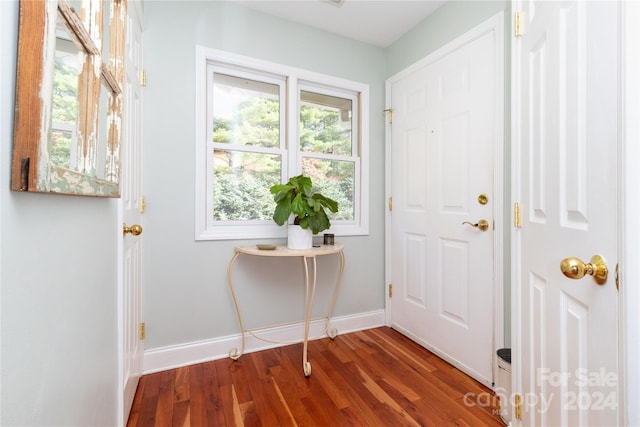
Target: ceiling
{"x": 377, "y": 22}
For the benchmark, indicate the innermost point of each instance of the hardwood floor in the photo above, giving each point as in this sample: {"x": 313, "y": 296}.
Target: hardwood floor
{"x": 375, "y": 377}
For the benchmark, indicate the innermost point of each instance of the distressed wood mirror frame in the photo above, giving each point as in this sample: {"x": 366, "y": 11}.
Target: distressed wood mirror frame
{"x": 69, "y": 100}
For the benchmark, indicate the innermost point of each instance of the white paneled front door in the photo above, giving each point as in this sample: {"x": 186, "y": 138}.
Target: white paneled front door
{"x": 444, "y": 137}
{"x": 565, "y": 178}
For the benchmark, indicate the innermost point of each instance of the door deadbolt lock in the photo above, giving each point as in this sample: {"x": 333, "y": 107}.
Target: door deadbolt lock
{"x": 482, "y": 225}
{"x": 483, "y": 199}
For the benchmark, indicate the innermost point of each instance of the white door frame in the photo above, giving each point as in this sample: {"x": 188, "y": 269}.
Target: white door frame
{"x": 628, "y": 224}
{"x": 496, "y": 24}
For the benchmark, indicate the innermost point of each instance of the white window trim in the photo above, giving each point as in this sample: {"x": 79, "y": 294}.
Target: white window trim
{"x": 260, "y": 229}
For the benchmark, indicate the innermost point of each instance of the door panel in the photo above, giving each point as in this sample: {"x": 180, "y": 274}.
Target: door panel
{"x": 454, "y": 304}
{"x": 415, "y": 271}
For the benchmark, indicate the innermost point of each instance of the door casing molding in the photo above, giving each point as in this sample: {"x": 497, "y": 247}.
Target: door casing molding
{"x": 629, "y": 201}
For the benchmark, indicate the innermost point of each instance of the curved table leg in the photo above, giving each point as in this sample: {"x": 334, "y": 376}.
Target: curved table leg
{"x": 309, "y": 295}
{"x": 333, "y": 332}
{"x": 234, "y": 353}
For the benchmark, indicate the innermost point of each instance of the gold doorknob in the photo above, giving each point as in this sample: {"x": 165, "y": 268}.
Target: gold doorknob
{"x": 135, "y": 229}
{"x": 483, "y": 224}
{"x": 575, "y": 268}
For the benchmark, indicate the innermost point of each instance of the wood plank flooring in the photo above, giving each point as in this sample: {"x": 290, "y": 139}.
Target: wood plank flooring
{"x": 375, "y": 377}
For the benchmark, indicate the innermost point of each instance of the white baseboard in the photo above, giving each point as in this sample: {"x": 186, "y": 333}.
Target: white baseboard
{"x": 161, "y": 359}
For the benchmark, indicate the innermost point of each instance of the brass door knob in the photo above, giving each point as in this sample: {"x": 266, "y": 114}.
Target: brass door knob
{"x": 483, "y": 224}
{"x": 135, "y": 229}
{"x": 574, "y": 268}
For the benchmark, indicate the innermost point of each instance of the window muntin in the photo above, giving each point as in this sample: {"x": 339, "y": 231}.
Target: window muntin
{"x": 335, "y": 156}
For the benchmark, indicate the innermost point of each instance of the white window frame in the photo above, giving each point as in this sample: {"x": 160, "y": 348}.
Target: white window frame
{"x": 205, "y": 227}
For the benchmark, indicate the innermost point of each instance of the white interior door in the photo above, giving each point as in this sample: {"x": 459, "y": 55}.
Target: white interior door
{"x": 132, "y": 345}
{"x": 443, "y": 142}
{"x": 565, "y": 141}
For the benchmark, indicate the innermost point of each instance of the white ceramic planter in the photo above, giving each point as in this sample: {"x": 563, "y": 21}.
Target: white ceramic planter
{"x": 298, "y": 237}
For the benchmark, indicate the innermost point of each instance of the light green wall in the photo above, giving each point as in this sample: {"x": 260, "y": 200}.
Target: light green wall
{"x": 448, "y": 22}
{"x": 187, "y": 298}
{"x": 58, "y": 277}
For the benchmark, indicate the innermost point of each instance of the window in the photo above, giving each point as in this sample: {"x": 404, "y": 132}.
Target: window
{"x": 328, "y": 152}
{"x": 259, "y": 123}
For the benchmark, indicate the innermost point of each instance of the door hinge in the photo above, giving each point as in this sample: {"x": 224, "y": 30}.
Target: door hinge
{"x": 390, "y": 290}
{"x": 143, "y": 204}
{"x": 143, "y": 77}
{"x": 390, "y": 203}
{"x": 141, "y": 331}
{"x": 518, "y": 22}
{"x": 390, "y": 111}
{"x": 517, "y": 215}
{"x": 618, "y": 276}
{"x": 518, "y": 406}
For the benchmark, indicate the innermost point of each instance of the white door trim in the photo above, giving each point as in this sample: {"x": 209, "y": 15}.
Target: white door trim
{"x": 629, "y": 229}
{"x": 494, "y": 24}
{"x": 516, "y": 321}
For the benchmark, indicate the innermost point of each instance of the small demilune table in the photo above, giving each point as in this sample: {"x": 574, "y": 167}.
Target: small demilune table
{"x": 308, "y": 257}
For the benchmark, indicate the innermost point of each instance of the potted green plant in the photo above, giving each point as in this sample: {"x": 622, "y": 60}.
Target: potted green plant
{"x": 298, "y": 197}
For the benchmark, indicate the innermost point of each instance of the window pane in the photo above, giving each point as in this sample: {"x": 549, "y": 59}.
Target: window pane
{"x": 334, "y": 179}
{"x": 60, "y": 146}
{"x": 325, "y": 124}
{"x": 64, "y": 103}
{"x": 245, "y": 112}
{"x": 241, "y": 185}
